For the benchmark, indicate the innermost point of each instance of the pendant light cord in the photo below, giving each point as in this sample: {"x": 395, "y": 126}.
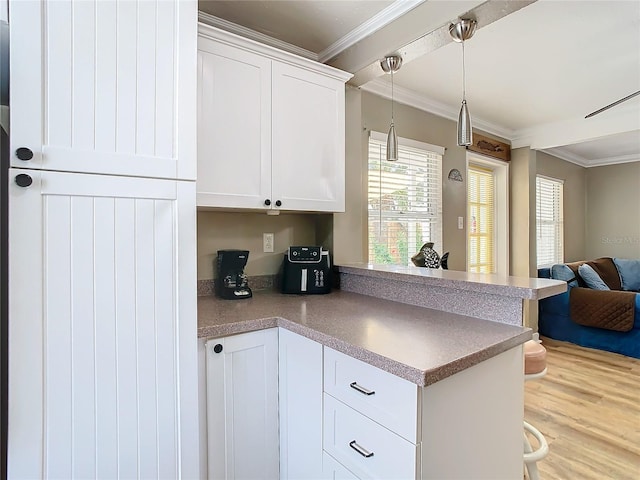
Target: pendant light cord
{"x": 392, "y": 96}
{"x": 464, "y": 92}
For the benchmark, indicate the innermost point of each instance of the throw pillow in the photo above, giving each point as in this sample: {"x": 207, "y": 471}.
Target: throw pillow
{"x": 560, "y": 271}
{"x": 607, "y": 271}
{"x": 591, "y": 278}
{"x": 629, "y": 271}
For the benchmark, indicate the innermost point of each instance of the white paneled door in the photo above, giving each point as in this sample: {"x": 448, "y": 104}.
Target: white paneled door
{"x": 102, "y": 339}
{"x": 104, "y": 86}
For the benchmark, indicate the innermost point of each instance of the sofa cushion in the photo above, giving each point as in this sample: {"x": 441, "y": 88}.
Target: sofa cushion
{"x": 573, "y": 266}
{"x": 560, "y": 271}
{"x": 591, "y": 278}
{"x": 629, "y": 271}
{"x": 607, "y": 271}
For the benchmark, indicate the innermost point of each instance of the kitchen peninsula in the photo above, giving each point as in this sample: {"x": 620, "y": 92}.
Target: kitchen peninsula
{"x": 431, "y": 393}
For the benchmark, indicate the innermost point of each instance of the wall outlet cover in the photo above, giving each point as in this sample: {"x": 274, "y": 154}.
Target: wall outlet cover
{"x": 267, "y": 242}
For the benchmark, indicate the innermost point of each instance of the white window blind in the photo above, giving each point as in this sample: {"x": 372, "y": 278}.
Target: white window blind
{"x": 404, "y": 200}
{"x": 481, "y": 206}
{"x": 549, "y": 221}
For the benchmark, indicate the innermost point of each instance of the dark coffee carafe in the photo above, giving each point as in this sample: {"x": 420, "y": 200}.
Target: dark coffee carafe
{"x": 231, "y": 281}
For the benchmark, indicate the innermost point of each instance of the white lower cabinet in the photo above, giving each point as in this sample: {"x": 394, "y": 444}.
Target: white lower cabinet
{"x": 242, "y": 406}
{"x": 300, "y": 397}
{"x": 364, "y": 446}
{"x": 466, "y": 426}
{"x": 334, "y": 470}
{"x": 341, "y": 418}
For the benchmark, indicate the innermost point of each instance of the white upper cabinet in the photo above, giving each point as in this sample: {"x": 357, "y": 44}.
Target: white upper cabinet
{"x": 234, "y": 122}
{"x": 308, "y": 139}
{"x": 104, "y": 87}
{"x": 270, "y": 127}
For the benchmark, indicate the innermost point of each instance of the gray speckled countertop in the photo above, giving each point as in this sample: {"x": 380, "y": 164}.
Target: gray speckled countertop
{"x": 419, "y": 344}
{"x": 518, "y": 287}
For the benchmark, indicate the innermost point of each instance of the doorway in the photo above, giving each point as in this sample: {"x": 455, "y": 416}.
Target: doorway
{"x": 487, "y": 215}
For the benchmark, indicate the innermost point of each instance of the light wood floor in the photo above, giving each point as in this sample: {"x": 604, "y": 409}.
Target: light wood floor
{"x": 588, "y": 409}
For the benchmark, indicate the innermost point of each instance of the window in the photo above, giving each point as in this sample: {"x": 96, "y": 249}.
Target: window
{"x": 481, "y": 215}
{"x": 404, "y": 200}
{"x": 549, "y": 221}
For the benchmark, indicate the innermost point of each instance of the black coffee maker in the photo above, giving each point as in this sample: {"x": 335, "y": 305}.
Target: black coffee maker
{"x": 231, "y": 281}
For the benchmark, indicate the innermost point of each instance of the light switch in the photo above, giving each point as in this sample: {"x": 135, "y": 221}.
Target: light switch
{"x": 460, "y": 223}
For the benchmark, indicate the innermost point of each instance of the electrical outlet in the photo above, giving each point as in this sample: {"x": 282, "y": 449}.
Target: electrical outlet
{"x": 267, "y": 242}
{"x": 460, "y": 223}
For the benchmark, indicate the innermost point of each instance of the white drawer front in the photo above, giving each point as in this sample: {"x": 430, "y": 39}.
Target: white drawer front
{"x": 382, "y": 454}
{"x": 333, "y": 470}
{"x": 394, "y": 402}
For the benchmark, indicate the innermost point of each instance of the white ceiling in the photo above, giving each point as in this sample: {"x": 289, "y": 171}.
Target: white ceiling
{"x": 532, "y": 76}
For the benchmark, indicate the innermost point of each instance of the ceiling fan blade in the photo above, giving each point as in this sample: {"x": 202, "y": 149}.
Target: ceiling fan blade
{"x": 613, "y": 104}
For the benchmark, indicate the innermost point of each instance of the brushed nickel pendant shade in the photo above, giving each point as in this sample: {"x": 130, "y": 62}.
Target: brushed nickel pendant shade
{"x": 391, "y": 64}
{"x": 461, "y": 31}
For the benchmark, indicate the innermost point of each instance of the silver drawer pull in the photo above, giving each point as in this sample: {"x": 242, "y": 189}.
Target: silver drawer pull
{"x": 362, "y": 451}
{"x": 363, "y": 390}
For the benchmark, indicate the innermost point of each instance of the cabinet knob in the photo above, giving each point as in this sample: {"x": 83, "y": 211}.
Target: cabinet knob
{"x": 267, "y": 202}
{"x": 24, "y": 154}
{"x": 217, "y": 348}
{"x": 278, "y": 203}
{"x": 23, "y": 180}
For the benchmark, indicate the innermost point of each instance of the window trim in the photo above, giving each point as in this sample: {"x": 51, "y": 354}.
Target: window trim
{"x": 559, "y": 259}
{"x": 409, "y": 144}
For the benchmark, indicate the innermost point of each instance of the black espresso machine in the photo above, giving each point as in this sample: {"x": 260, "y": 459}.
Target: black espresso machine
{"x": 306, "y": 270}
{"x": 231, "y": 281}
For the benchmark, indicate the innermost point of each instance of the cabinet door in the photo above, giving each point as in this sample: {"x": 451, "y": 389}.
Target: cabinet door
{"x": 104, "y": 87}
{"x": 234, "y": 127}
{"x": 332, "y": 470}
{"x": 102, "y": 364}
{"x": 242, "y": 406}
{"x": 300, "y": 397}
{"x": 308, "y": 140}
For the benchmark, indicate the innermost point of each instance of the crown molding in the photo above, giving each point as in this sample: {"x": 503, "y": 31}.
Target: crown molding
{"x": 208, "y": 32}
{"x": 412, "y": 99}
{"x": 375, "y": 23}
{"x": 563, "y": 154}
{"x": 214, "y": 21}
{"x": 613, "y": 160}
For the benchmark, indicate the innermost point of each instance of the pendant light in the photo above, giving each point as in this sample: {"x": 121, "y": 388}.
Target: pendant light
{"x": 391, "y": 64}
{"x": 461, "y": 31}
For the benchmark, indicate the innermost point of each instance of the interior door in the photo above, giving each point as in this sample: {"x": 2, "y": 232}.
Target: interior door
{"x": 104, "y": 87}
{"x": 102, "y": 334}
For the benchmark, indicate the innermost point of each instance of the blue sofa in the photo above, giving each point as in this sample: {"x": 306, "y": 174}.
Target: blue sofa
{"x": 554, "y": 321}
